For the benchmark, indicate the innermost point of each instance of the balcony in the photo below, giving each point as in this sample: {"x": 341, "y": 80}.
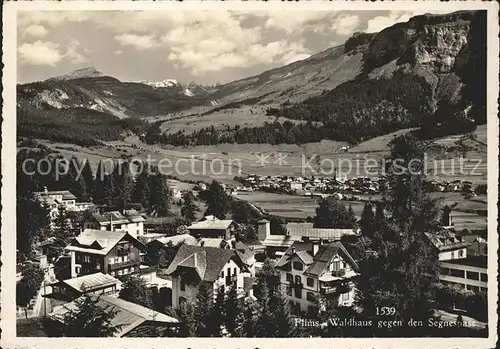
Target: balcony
{"x": 298, "y": 285}
{"x": 338, "y": 273}
{"x": 122, "y": 265}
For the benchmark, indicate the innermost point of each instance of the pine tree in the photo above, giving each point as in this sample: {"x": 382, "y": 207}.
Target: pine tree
{"x": 74, "y": 180}
{"x": 203, "y": 311}
{"x": 217, "y": 313}
{"x": 232, "y": 308}
{"x": 246, "y": 321}
{"x": 62, "y": 231}
{"x": 142, "y": 191}
{"x": 33, "y": 221}
{"x": 135, "y": 290}
{"x": 124, "y": 185}
{"x": 331, "y": 213}
{"x": 88, "y": 319}
{"x": 160, "y": 194}
{"x": 109, "y": 191}
{"x": 265, "y": 324}
{"x": 99, "y": 191}
{"x": 268, "y": 277}
{"x": 217, "y": 200}
{"x": 367, "y": 221}
{"x": 88, "y": 179}
{"x": 282, "y": 318}
{"x": 189, "y": 208}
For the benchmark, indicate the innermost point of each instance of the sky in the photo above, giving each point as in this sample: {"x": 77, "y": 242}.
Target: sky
{"x": 205, "y": 47}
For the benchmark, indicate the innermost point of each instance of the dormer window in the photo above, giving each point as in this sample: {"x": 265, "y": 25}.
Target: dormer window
{"x": 298, "y": 266}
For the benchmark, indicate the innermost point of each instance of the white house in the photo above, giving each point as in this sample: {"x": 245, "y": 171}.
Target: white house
{"x": 470, "y": 273}
{"x": 215, "y": 267}
{"x": 130, "y": 222}
{"x": 448, "y": 245}
{"x": 310, "y": 269}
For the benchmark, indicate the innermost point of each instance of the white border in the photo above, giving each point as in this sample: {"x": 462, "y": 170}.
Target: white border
{"x": 8, "y": 242}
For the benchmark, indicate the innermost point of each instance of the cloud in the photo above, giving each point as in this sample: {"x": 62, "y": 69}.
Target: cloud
{"x": 40, "y": 53}
{"x": 49, "y": 53}
{"x": 346, "y": 24}
{"x": 378, "y": 23}
{"x": 139, "y": 42}
{"x": 72, "y": 54}
{"x": 36, "y": 30}
{"x": 294, "y": 21}
{"x": 50, "y": 18}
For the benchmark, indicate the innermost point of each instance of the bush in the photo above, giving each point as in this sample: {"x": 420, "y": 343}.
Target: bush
{"x": 29, "y": 285}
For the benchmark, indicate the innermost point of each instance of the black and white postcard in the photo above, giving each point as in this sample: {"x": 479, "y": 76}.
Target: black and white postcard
{"x": 249, "y": 174}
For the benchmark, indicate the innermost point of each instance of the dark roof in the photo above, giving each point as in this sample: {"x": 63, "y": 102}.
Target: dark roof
{"x": 298, "y": 246}
{"x": 100, "y": 241}
{"x": 208, "y": 262}
{"x": 446, "y": 241}
{"x": 244, "y": 252}
{"x": 475, "y": 261}
{"x": 325, "y": 255}
{"x": 66, "y": 194}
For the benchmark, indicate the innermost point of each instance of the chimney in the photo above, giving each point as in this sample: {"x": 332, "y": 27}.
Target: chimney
{"x": 45, "y": 190}
{"x": 293, "y": 250}
{"x": 110, "y": 221}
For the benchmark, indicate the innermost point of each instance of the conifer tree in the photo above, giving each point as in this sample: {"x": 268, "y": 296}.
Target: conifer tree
{"x": 135, "y": 290}
{"x": 282, "y": 317}
{"x": 217, "y": 200}
{"x": 265, "y": 325}
{"x": 142, "y": 191}
{"x": 160, "y": 194}
{"x": 124, "y": 185}
{"x": 246, "y": 321}
{"x": 367, "y": 221}
{"x": 203, "y": 311}
{"x": 88, "y": 179}
{"x": 109, "y": 190}
{"x": 232, "y": 308}
{"x": 99, "y": 191}
{"x": 189, "y": 208}
{"x": 74, "y": 180}
{"x": 331, "y": 213}
{"x": 87, "y": 319}
{"x": 217, "y": 313}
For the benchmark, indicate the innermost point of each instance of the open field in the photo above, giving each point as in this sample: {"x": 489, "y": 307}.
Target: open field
{"x": 225, "y": 161}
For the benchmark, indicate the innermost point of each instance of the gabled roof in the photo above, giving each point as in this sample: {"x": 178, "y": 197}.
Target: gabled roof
{"x": 212, "y": 224}
{"x": 91, "y": 282}
{"x": 177, "y": 239}
{"x": 117, "y": 217}
{"x": 211, "y": 259}
{"x": 244, "y": 252}
{"x": 66, "y": 194}
{"x": 308, "y": 230}
{"x": 99, "y": 241}
{"x": 210, "y": 242}
{"x": 128, "y": 315}
{"x": 446, "y": 241}
{"x": 298, "y": 246}
{"x": 325, "y": 255}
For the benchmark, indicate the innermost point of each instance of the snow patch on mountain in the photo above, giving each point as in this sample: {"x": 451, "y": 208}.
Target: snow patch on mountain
{"x": 188, "y": 92}
{"x": 160, "y": 84}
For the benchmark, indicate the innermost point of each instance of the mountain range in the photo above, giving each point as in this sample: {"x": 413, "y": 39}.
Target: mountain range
{"x": 428, "y": 71}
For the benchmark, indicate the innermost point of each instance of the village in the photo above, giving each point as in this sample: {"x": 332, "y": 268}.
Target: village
{"x": 115, "y": 247}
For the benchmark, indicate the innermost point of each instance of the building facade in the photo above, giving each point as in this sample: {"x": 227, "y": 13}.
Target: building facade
{"x": 110, "y": 252}
{"x": 470, "y": 273}
{"x": 309, "y": 270}
{"x": 132, "y": 223}
{"x": 212, "y": 227}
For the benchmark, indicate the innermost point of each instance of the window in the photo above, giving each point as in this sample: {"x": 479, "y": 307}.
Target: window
{"x": 452, "y": 254}
{"x": 457, "y": 273}
{"x": 138, "y": 231}
{"x": 335, "y": 266}
{"x": 120, "y": 259}
{"x": 183, "y": 285}
{"x": 222, "y": 274}
{"x": 298, "y": 292}
{"x": 86, "y": 259}
{"x": 289, "y": 277}
{"x": 235, "y": 272}
{"x": 78, "y": 258}
{"x": 345, "y": 296}
{"x": 298, "y": 279}
{"x": 112, "y": 260}
{"x": 289, "y": 291}
{"x": 461, "y": 253}
{"x": 298, "y": 266}
{"x": 472, "y": 275}
{"x": 120, "y": 272}
{"x": 98, "y": 266}
{"x": 484, "y": 277}
{"x": 310, "y": 282}
{"x": 125, "y": 258}
{"x": 137, "y": 224}
{"x": 310, "y": 297}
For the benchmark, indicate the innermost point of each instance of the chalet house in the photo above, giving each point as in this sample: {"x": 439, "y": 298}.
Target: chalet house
{"x": 448, "y": 245}
{"x": 56, "y": 199}
{"x": 133, "y": 223}
{"x": 167, "y": 244}
{"x": 309, "y": 269}
{"x": 212, "y": 227}
{"x": 132, "y": 319}
{"x": 97, "y": 284}
{"x": 215, "y": 267}
{"x": 110, "y": 252}
{"x": 470, "y": 273}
